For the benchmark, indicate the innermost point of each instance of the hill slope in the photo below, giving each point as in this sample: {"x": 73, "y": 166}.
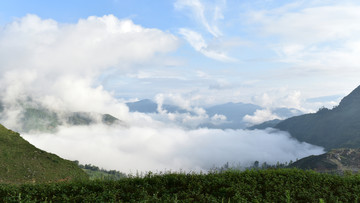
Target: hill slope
{"x": 22, "y": 162}
{"x": 337, "y": 160}
{"x": 335, "y": 128}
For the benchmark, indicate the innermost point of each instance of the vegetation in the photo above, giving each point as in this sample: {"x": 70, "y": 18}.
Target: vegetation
{"x": 335, "y": 161}
{"x": 271, "y": 185}
{"x": 95, "y": 173}
{"x": 335, "y": 128}
{"x": 1, "y": 107}
{"x": 39, "y": 120}
{"x": 21, "y": 162}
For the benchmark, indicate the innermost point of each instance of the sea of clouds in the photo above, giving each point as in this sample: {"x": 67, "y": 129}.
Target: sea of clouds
{"x": 57, "y": 65}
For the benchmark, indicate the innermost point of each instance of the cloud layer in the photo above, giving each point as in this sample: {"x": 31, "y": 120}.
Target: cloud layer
{"x": 145, "y": 148}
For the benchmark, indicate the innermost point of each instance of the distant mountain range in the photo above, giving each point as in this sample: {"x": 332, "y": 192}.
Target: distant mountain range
{"x": 38, "y": 118}
{"x": 21, "y": 162}
{"x": 234, "y": 112}
{"x": 330, "y": 128}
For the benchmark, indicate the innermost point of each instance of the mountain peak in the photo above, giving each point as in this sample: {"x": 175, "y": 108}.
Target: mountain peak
{"x": 352, "y": 99}
{"x": 335, "y": 128}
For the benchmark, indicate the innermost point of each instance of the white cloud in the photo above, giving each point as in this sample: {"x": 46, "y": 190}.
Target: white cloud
{"x": 106, "y": 40}
{"x": 198, "y": 10}
{"x": 313, "y": 24}
{"x": 143, "y": 147}
{"x": 278, "y": 98}
{"x": 58, "y": 64}
{"x": 313, "y": 36}
{"x": 260, "y": 116}
{"x": 198, "y": 43}
{"x": 201, "y": 12}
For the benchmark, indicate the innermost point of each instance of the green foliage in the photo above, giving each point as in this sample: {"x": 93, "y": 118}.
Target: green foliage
{"x": 271, "y": 185}
{"x": 22, "y": 162}
{"x": 95, "y": 173}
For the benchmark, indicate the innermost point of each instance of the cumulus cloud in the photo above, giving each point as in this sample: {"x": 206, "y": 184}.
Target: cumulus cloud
{"x": 143, "y": 148}
{"x": 58, "y": 64}
{"x": 281, "y": 97}
{"x": 260, "y": 116}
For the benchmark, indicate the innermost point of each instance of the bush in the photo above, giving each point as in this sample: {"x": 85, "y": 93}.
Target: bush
{"x": 271, "y": 185}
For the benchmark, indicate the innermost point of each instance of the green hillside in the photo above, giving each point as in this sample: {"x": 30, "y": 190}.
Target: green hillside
{"x": 336, "y": 161}
{"x": 335, "y": 128}
{"x": 22, "y": 162}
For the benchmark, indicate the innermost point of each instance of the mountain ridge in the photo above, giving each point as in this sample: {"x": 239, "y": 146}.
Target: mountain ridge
{"x": 234, "y": 112}
{"x": 330, "y": 128}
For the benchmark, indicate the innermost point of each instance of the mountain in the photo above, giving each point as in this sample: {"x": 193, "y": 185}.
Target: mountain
{"x": 335, "y": 128}
{"x": 336, "y": 161}
{"x": 143, "y": 106}
{"x": 264, "y": 125}
{"x": 234, "y": 112}
{"x": 21, "y": 162}
{"x": 287, "y": 112}
{"x": 45, "y": 120}
{"x": 38, "y": 118}
{"x": 148, "y": 106}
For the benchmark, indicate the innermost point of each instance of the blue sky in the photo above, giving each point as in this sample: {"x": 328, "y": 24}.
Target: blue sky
{"x": 261, "y": 52}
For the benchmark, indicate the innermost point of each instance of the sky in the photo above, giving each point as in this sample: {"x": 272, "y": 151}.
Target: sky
{"x": 95, "y": 55}
{"x": 225, "y": 50}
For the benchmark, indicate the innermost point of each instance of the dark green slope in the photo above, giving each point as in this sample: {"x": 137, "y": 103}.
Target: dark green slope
{"x": 335, "y": 128}
{"x": 21, "y": 162}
